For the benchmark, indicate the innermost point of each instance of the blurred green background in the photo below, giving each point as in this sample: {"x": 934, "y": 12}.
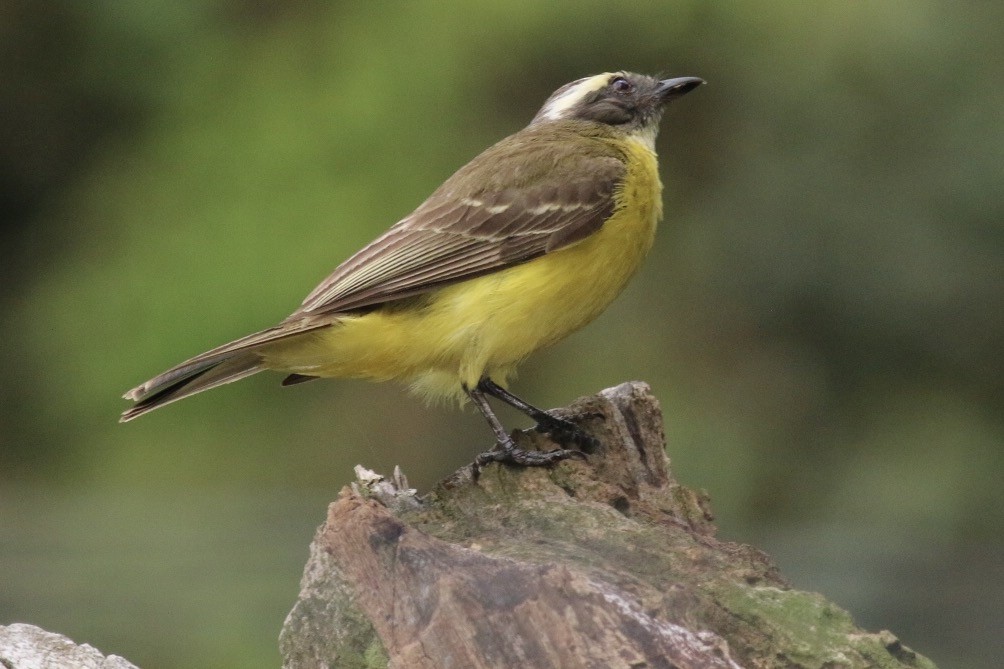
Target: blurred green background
{"x": 822, "y": 316}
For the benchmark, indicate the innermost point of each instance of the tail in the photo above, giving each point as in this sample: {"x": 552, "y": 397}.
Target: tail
{"x": 224, "y": 364}
{"x": 186, "y": 379}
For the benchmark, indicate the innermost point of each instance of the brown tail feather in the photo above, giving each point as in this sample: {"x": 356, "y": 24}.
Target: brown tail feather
{"x": 172, "y": 386}
{"x": 224, "y": 364}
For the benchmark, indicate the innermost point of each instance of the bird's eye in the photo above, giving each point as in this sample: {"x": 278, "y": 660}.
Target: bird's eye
{"x": 621, "y": 85}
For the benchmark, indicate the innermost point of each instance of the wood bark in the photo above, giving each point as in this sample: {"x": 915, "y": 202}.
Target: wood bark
{"x": 25, "y": 646}
{"x": 605, "y": 563}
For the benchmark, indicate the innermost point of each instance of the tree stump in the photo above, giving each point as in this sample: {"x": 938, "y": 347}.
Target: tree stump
{"x": 605, "y": 563}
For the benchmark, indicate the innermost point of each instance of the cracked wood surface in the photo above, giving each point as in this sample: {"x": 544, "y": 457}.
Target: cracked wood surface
{"x": 606, "y": 563}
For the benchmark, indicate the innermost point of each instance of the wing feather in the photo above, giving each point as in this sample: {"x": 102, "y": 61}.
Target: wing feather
{"x": 514, "y": 214}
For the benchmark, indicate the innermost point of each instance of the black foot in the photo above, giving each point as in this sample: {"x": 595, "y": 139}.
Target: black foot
{"x": 560, "y": 430}
{"x": 509, "y": 454}
{"x": 566, "y": 432}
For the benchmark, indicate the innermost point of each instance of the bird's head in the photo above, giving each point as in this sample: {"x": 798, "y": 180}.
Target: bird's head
{"x": 630, "y": 102}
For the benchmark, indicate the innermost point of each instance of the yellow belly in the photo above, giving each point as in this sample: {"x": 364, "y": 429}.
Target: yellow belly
{"x": 486, "y": 326}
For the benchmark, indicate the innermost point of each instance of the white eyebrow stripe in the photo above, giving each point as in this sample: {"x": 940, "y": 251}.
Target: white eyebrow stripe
{"x": 558, "y": 107}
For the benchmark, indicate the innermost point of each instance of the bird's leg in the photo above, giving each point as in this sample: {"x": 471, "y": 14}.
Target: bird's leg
{"x": 505, "y": 450}
{"x": 561, "y": 430}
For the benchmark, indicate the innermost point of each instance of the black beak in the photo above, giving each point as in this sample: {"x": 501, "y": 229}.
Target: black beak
{"x": 670, "y": 89}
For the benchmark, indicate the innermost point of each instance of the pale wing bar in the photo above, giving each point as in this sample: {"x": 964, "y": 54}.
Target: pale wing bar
{"x": 446, "y": 242}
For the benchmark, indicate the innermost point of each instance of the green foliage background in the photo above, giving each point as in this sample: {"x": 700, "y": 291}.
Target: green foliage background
{"x": 822, "y": 316}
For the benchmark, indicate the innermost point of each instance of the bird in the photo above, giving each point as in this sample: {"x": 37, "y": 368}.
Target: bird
{"x": 525, "y": 244}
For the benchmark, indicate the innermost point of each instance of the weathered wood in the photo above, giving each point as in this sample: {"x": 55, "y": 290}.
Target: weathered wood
{"x": 25, "y": 646}
{"x": 607, "y": 563}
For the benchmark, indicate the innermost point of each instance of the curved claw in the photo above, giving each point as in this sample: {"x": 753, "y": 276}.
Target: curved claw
{"x": 523, "y": 458}
{"x": 564, "y": 432}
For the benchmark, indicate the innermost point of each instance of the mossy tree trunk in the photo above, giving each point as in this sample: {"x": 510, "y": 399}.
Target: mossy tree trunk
{"x": 605, "y": 563}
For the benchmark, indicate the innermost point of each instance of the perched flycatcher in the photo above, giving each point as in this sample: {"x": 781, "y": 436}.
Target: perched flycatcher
{"x": 522, "y": 246}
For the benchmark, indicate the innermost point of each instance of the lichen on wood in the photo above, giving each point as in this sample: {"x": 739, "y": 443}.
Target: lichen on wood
{"x": 607, "y": 562}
